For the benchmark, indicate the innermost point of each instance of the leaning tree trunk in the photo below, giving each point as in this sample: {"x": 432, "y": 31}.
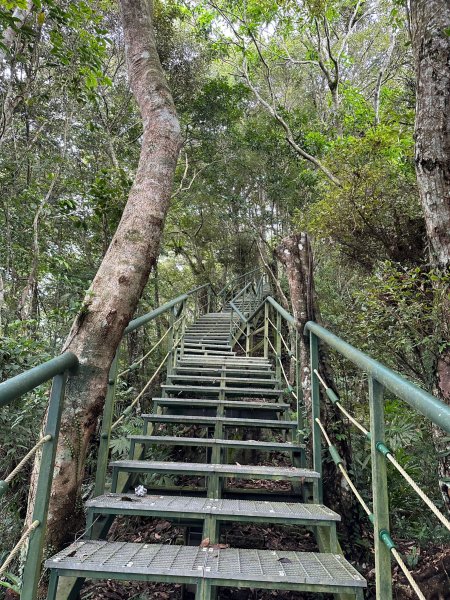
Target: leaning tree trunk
{"x": 430, "y": 24}
{"x": 117, "y": 287}
{"x": 296, "y": 254}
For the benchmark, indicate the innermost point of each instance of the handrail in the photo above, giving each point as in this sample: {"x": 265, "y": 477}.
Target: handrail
{"x": 280, "y": 310}
{"x": 243, "y": 290}
{"x": 237, "y": 279}
{"x": 237, "y": 311}
{"x": 380, "y": 378}
{"x": 140, "y": 321}
{"x": 58, "y": 369}
{"x": 424, "y": 402}
{"x": 25, "y": 382}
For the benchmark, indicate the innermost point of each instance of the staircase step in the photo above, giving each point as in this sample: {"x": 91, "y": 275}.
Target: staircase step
{"x": 210, "y": 442}
{"x": 229, "y": 379}
{"x": 198, "y": 351}
{"x": 238, "y": 363}
{"x": 227, "y": 421}
{"x": 202, "y": 402}
{"x": 229, "y": 567}
{"x": 236, "y": 391}
{"x": 224, "y": 510}
{"x": 215, "y": 346}
{"x": 226, "y": 370}
{"x": 206, "y": 469}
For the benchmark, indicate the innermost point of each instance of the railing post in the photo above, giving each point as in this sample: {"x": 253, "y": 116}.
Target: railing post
{"x": 183, "y": 325}
{"x": 266, "y": 330}
{"x": 232, "y": 328}
{"x": 315, "y": 409}
{"x": 299, "y": 392}
{"x": 108, "y": 412}
{"x": 32, "y": 570}
{"x": 209, "y": 293}
{"x": 380, "y": 494}
{"x": 278, "y": 347}
{"x": 247, "y": 339}
{"x": 170, "y": 344}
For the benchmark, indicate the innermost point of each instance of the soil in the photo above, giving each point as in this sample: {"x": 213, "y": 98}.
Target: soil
{"x": 432, "y": 571}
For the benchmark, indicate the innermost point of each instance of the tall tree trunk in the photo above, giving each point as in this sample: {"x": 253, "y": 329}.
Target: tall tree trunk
{"x": 113, "y": 296}
{"x": 430, "y": 23}
{"x": 296, "y": 254}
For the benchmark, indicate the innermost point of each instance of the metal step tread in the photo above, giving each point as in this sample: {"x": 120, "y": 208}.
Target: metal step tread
{"x": 251, "y": 360}
{"x": 210, "y": 442}
{"x": 213, "y": 402}
{"x": 230, "y": 390}
{"x": 215, "y": 469}
{"x": 210, "y": 362}
{"x": 198, "y": 351}
{"x": 202, "y": 420}
{"x": 225, "y": 369}
{"x": 213, "y": 506}
{"x": 128, "y": 559}
{"x": 232, "y": 379}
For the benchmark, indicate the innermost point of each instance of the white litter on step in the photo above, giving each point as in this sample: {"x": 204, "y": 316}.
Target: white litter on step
{"x": 140, "y": 491}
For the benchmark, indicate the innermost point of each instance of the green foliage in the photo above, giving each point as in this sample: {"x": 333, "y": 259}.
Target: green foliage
{"x": 375, "y": 214}
{"x": 14, "y": 584}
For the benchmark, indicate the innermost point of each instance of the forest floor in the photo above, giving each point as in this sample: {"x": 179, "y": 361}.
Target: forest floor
{"x": 432, "y": 571}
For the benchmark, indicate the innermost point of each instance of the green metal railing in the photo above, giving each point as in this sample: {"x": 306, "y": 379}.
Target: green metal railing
{"x": 380, "y": 378}
{"x": 56, "y": 370}
{"x": 233, "y": 287}
{"x": 182, "y": 310}
{"x": 258, "y": 324}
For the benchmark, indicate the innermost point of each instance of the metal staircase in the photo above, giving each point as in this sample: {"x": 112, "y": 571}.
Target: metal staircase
{"x": 212, "y": 386}
{"x": 226, "y": 396}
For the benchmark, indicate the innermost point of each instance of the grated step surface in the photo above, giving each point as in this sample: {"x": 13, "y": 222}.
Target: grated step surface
{"x": 227, "y": 421}
{"x": 227, "y": 378}
{"x": 214, "y": 402}
{"x": 210, "y": 442}
{"x": 222, "y": 509}
{"x": 262, "y": 392}
{"x": 203, "y": 469}
{"x": 228, "y": 567}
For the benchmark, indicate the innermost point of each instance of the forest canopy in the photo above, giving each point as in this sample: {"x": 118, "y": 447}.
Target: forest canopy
{"x": 295, "y": 116}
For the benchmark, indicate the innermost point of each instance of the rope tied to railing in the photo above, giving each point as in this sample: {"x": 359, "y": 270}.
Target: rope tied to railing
{"x": 383, "y": 449}
{"x": 396, "y": 554}
{"x": 141, "y": 360}
{"x": 129, "y": 408}
{"x": 141, "y": 393}
{"x": 339, "y": 463}
{"x": 289, "y": 351}
{"x": 26, "y": 534}
{"x": 384, "y": 535}
{"x": 283, "y": 370}
{"x": 22, "y": 463}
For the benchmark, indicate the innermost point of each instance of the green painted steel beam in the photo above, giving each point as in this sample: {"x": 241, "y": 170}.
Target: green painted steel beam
{"x": 424, "y": 402}
{"x": 280, "y": 310}
{"x": 140, "y": 321}
{"x": 25, "y": 382}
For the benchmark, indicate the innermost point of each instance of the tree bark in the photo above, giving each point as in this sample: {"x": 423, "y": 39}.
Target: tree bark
{"x": 430, "y": 22}
{"x": 431, "y": 44}
{"x": 115, "y": 291}
{"x": 296, "y": 254}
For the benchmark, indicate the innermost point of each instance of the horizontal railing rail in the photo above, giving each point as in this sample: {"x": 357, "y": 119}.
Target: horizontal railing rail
{"x": 380, "y": 378}
{"x": 425, "y": 403}
{"x": 26, "y": 382}
{"x": 183, "y": 309}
